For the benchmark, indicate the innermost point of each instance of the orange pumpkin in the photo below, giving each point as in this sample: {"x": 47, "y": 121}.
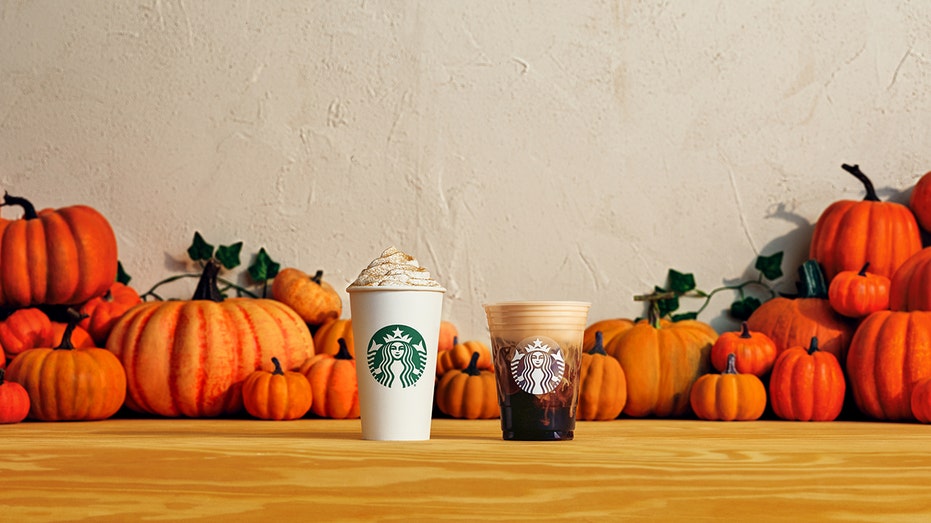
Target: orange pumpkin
{"x": 14, "y": 400}
{"x": 470, "y": 393}
{"x": 25, "y": 329}
{"x": 920, "y": 201}
{"x": 314, "y": 300}
{"x": 856, "y": 294}
{"x": 755, "y": 352}
{"x": 807, "y": 384}
{"x": 610, "y": 329}
{"x": 55, "y": 256}
{"x": 103, "y": 311}
{"x": 910, "y": 289}
{"x": 327, "y": 336}
{"x": 189, "y": 357}
{"x": 602, "y": 385}
{"x": 69, "y": 384}
{"x": 889, "y": 354}
{"x": 728, "y": 396}
{"x": 334, "y": 383}
{"x": 850, "y": 233}
{"x": 921, "y": 401}
{"x": 80, "y": 338}
{"x": 448, "y": 335}
{"x": 277, "y": 394}
{"x": 460, "y": 355}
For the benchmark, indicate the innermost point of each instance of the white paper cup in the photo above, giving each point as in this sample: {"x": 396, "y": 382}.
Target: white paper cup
{"x": 396, "y": 332}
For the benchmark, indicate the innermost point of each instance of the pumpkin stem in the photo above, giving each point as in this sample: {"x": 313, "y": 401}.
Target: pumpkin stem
{"x": 731, "y": 364}
{"x": 2, "y": 375}
{"x": 29, "y": 210}
{"x": 73, "y": 319}
{"x": 813, "y": 346}
{"x": 207, "y": 288}
{"x": 599, "y": 347}
{"x": 870, "y": 190}
{"x": 863, "y": 270}
{"x": 343, "y": 353}
{"x": 317, "y": 278}
{"x": 472, "y": 369}
{"x": 812, "y": 283}
{"x": 745, "y": 331}
{"x": 455, "y": 340}
{"x": 278, "y": 371}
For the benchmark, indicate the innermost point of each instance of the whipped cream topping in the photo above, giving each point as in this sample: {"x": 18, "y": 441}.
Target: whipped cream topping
{"x": 395, "y": 268}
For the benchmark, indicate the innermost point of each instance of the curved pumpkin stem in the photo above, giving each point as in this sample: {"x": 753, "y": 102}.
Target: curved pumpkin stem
{"x": 29, "y": 210}
{"x": 599, "y": 347}
{"x": 812, "y": 283}
{"x": 73, "y": 319}
{"x": 343, "y": 353}
{"x": 731, "y": 364}
{"x": 813, "y": 346}
{"x": 863, "y": 270}
{"x": 745, "y": 331}
{"x": 207, "y": 288}
{"x": 870, "y": 190}
{"x": 472, "y": 369}
{"x": 278, "y": 371}
{"x": 317, "y": 277}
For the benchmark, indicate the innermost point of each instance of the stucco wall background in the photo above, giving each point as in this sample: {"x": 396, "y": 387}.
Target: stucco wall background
{"x": 521, "y": 150}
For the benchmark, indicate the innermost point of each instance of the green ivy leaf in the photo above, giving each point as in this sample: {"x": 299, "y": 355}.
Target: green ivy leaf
{"x": 200, "y": 250}
{"x": 743, "y": 308}
{"x": 680, "y": 282}
{"x": 263, "y": 268}
{"x": 228, "y": 255}
{"x": 685, "y": 316}
{"x": 770, "y": 266}
{"x": 121, "y": 275}
{"x": 666, "y": 305}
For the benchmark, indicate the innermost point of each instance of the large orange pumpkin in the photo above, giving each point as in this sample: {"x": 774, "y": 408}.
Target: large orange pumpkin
{"x": 850, "y": 233}
{"x": 189, "y": 357}
{"x": 55, "y": 256}
{"x": 910, "y": 289}
{"x": 610, "y": 329}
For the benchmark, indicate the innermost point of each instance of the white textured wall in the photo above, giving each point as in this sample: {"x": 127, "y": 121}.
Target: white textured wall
{"x": 520, "y": 149}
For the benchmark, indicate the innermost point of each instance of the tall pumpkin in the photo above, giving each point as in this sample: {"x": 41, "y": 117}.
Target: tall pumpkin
{"x": 850, "y": 233}
{"x": 189, "y": 357}
{"x": 55, "y": 256}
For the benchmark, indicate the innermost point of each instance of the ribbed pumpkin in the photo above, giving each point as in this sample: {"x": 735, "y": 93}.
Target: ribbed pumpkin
{"x": 755, "y": 352}
{"x": 55, "y": 256}
{"x": 276, "y": 395}
{"x": 14, "y": 400}
{"x": 807, "y": 384}
{"x": 729, "y": 396}
{"x": 448, "y": 335}
{"x": 610, "y": 329}
{"x": 921, "y": 401}
{"x": 314, "y": 300}
{"x": 470, "y": 393}
{"x": 189, "y": 357}
{"x": 889, "y": 354}
{"x": 70, "y": 384}
{"x": 850, "y": 233}
{"x": 602, "y": 386}
{"x": 460, "y": 356}
{"x": 327, "y": 336}
{"x": 910, "y": 289}
{"x": 25, "y": 329}
{"x": 856, "y": 294}
{"x": 334, "y": 383}
{"x": 920, "y": 201}
{"x": 793, "y": 322}
{"x": 103, "y": 311}
{"x": 661, "y": 360}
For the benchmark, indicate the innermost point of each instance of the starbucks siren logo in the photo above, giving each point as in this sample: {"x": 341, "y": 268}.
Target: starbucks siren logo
{"x": 536, "y": 366}
{"x": 396, "y": 356}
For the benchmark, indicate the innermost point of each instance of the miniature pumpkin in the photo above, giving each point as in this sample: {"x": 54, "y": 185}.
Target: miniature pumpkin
{"x": 921, "y": 400}
{"x": 661, "y": 360}
{"x": 889, "y": 354}
{"x": 25, "y": 329}
{"x": 460, "y": 355}
{"x": 610, "y": 329}
{"x": 602, "y": 385}
{"x": 80, "y": 338}
{"x": 910, "y": 289}
{"x": 277, "y": 394}
{"x": 448, "y": 335}
{"x": 314, "y": 300}
{"x": 920, "y": 201}
{"x": 334, "y": 383}
{"x": 850, "y": 233}
{"x": 189, "y": 357}
{"x": 856, "y": 294}
{"x": 755, "y": 352}
{"x": 327, "y": 336}
{"x": 729, "y": 396}
{"x": 14, "y": 401}
{"x": 55, "y": 256}
{"x": 468, "y": 394}
{"x": 103, "y": 311}
{"x": 793, "y": 322}
{"x": 807, "y": 384}
{"x": 69, "y": 384}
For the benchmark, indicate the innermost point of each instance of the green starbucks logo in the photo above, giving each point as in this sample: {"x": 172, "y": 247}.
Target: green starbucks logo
{"x": 396, "y": 356}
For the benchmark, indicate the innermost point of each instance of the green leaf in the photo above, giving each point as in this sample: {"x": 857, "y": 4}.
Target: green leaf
{"x": 228, "y": 255}
{"x": 743, "y": 308}
{"x": 667, "y": 305}
{"x": 680, "y": 282}
{"x": 121, "y": 275}
{"x": 200, "y": 250}
{"x": 770, "y": 266}
{"x": 263, "y": 268}
{"x": 685, "y": 316}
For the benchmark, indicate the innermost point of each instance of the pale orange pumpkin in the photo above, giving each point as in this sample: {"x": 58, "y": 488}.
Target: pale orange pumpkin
{"x": 314, "y": 300}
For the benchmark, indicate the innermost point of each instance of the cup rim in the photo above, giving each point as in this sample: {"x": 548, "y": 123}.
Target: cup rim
{"x": 359, "y": 288}
{"x": 531, "y": 304}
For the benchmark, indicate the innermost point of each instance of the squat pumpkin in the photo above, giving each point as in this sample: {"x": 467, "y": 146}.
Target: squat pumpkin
{"x": 276, "y": 395}
{"x": 314, "y": 300}
{"x": 25, "y": 329}
{"x": 807, "y": 384}
{"x": 754, "y": 351}
{"x": 460, "y": 355}
{"x": 469, "y": 394}
{"x": 14, "y": 400}
{"x": 856, "y": 294}
{"x": 728, "y": 396}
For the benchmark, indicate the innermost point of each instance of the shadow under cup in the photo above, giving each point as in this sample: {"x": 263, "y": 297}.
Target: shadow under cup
{"x": 537, "y": 351}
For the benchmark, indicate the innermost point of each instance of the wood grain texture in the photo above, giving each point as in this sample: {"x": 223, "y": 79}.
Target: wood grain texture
{"x": 320, "y": 470}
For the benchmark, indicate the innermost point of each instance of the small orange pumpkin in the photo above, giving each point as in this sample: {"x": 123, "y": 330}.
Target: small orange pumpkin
{"x": 755, "y": 352}
{"x": 856, "y": 294}
{"x": 327, "y": 336}
{"x": 103, "y": 311}
{"x": 460, "y": 355}
{"x": 921, "y": 400}
{"x": 448, "y": 334}
{"x": 25, "y": 329}
{"x": 602, "y": 385}
{"x": 468, "y": 394}
{"x": 276, "y": 395}
{"x": 314, "y": 300}
{"x": 334, "y": 384}
{"x": 728, "y": 396}
{"x": 14, "y": 400}
{"x": 807, "y": 385}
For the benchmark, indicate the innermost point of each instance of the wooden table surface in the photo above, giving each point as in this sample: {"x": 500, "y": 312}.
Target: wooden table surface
{"x": 320, "y": 470}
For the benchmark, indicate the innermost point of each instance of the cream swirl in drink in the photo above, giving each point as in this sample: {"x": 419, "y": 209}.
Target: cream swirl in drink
{"x": 395, "y": 268}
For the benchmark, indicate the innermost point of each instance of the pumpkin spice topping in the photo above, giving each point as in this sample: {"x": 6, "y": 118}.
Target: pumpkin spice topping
{"x": 395, "y": 268}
